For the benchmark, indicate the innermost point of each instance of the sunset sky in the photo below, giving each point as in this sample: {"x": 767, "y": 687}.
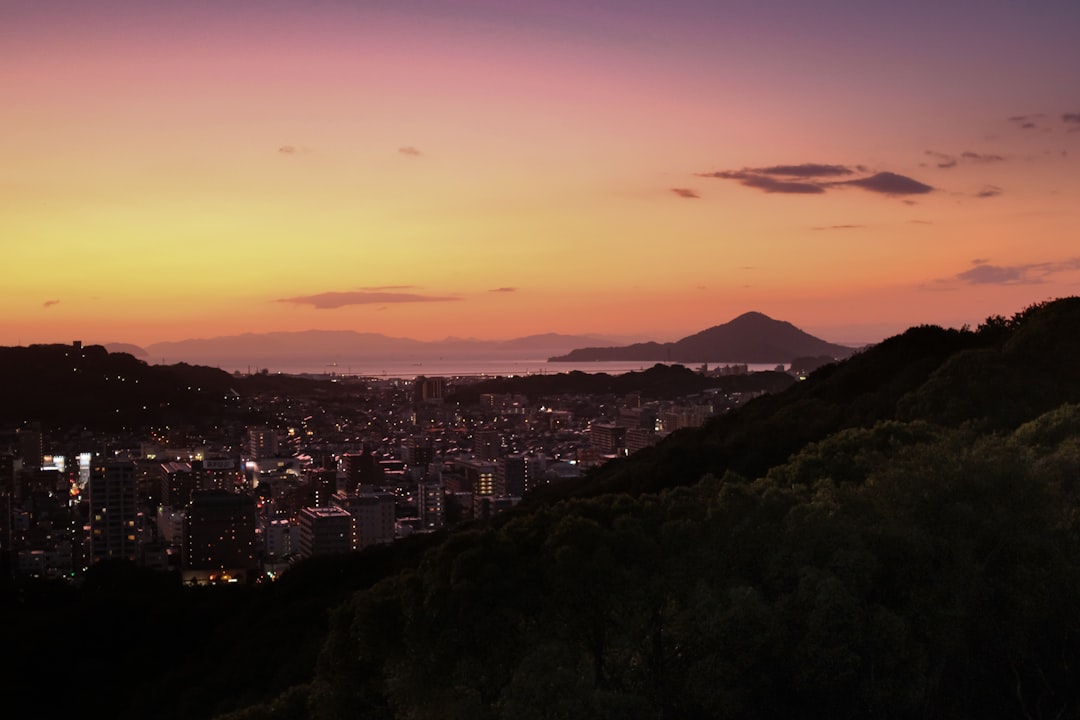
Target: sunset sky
{"x": 495, "y": 169}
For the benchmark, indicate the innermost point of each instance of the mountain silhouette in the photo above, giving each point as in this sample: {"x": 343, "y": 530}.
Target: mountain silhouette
{"x": 750, "y": 338}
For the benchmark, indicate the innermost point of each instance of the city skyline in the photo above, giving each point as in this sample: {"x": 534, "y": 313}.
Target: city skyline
{"x": 498, "y": 170}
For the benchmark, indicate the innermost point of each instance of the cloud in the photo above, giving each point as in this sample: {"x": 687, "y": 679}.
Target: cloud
{"x": 979, "y": 158}
{"x": 988, "y": 191}
{"x": 839, "y": 227}
{"x": 1026, "y": 122}
{"x": 946, "y": 161}
{"x": 888, "y": 183}
{"x": 504, "y": 290}
{"x": 812, "y": 179}
{"x": 332, "y": 300}
{"x": 410, "y": 151}
{"x": 983, "y": 272}
{"x": 750, "y": 178}
{"x": 685, "y": 193}
{"x": 943, "y": 161}
{"x": 805, "y": 170}
{"x": 771, "y": 185}
{"x": 1072, "y": 118}
{"x": 50, "y": 303}
{"x": 287, "y": 149}
{"x": 995, "y": 275}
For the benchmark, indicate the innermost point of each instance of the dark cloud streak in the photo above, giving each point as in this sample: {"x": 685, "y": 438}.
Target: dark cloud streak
{"x": 809, "y": 179}
{"x": 888, "y": 183}
{"x": 333, "y": 300}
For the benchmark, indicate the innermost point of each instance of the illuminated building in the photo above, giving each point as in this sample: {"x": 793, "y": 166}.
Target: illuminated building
{"x": 113, "y": 511}
{"x": 324, "y": 531}
{"x": 373, "y": 515}
{"x": 487, "y": 444}
{"x": 177, "y": 484}
{"x": 219, "y": 537}
{"x": 429, "y": 501}
{"x": 262, "y": 442}
{"x": 512, "y": 476}
{"x": 479, "y": 476}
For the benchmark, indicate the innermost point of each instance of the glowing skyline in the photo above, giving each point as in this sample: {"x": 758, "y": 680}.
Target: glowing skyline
{"x": 499, "y": 169}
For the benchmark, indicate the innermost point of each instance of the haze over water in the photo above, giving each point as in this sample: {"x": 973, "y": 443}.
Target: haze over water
{"x": 463, "y": 367}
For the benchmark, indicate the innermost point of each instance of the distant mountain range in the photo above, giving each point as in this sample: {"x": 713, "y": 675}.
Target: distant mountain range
{"x": 317, "y": 348}
{"x": 749, "y": 338}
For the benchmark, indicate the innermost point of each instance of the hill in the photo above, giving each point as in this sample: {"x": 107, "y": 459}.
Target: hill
{"x": 749, "y": 338}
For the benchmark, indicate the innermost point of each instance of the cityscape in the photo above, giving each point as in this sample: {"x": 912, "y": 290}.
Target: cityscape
{"x": 352, "y": 462}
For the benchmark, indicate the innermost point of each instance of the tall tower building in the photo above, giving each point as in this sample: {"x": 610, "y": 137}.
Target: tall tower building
{"x": 325, "y": 531}
{"x": 113, "y": 510}
{"x": 262, "y": 442}
{"x": 219, "y": 537}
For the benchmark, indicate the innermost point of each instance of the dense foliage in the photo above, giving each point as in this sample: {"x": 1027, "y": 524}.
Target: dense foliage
{"x": 900, "y": 571}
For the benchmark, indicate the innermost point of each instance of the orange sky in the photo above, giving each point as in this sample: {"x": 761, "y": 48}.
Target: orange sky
{"x": 494, "y": 170}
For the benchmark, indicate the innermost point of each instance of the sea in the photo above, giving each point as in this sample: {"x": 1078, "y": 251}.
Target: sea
{"x": 479, "y": 368}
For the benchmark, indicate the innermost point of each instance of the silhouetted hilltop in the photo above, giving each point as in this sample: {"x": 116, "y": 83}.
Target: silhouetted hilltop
{"x": 1004, "y": 373}
{"x": 657, "y": 382}
{"x": 88, "y": 387}
{"x": 749, "y": 338}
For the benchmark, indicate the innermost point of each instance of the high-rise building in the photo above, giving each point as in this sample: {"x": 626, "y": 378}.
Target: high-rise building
{"x": 608, "y": 439}
{"x": 429, "y": 502}
{"x": 113, "y": 510}
{"x": 512, "y": 476}
{"x": 374, "y": 516}
{"x": 219, "y": 537}
{"x": 427, "y": 389}
{"x": 487, "y": 444}
{"x": 177, "y": 484}
{"x": 479, "y": 475}
{"x": 31, "y": 445}
{"x": 325, "y": 531}
{"x": 262, "y": 442}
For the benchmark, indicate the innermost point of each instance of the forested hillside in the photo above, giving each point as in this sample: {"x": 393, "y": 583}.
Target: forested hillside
{"x": 895, "y": 537}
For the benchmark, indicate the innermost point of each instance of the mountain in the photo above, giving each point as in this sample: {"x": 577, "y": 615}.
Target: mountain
{"x": 749, "y": 338}
{"x": 318, "y": 348}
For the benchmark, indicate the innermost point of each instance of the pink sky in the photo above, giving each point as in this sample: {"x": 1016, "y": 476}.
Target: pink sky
{"x": 495, "y": 170}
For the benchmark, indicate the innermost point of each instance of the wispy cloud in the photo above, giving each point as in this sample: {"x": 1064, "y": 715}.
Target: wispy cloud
{"x": 410, "y": 151}
{"x": 889, "y": 183}
{"x": 332, "y": 300}
{"x": 816, "y": 178}
{"x": 944, "y": 161}
{"x": 981, "y": 157}
{"x": 50, "y": 303}
{"x": 1026, "y": 122}
{"x": 1073, "y": 120}
{"x": 838, "y": 227}
{"x": 805, "y": 170}
{"x": 503, "y": 290}
{"x": 769, "y": 184}
{"x": 686, "y": 193}
{"x": 989, "y": 191}
{"x": 983, "y": 272}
